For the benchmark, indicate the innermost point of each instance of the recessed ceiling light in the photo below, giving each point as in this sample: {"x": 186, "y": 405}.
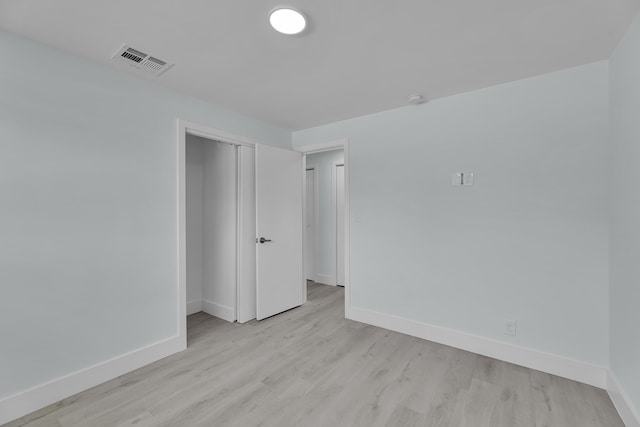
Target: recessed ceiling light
{"x": 287, "y": 21}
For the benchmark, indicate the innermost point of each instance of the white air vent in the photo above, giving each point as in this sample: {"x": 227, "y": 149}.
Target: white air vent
{"x": 141, "y": 60}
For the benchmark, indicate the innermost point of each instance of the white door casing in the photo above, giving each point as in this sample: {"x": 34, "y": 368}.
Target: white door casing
{"x": 310, "y": 220}
{"x": 342, "y": 143}
{"x": 339, "y": 221}
{"x": 246, "y": 234}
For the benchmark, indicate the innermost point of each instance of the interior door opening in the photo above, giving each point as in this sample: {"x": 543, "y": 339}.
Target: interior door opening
{"x": 240, "y": 227}
{"x": 326, "y": 216}
{"x": 220, "y": 228}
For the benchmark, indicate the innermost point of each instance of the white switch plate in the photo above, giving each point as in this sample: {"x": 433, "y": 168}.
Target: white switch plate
{"x": 467, "y": 178}
{"x": 510, "y": 327}
{"x": 462, "y": 179}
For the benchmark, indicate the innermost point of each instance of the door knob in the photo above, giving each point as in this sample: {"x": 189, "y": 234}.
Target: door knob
{"x": 263, "y": 240}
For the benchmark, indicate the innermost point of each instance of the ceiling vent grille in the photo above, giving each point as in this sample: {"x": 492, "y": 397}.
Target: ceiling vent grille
{"x": 141, "y": 60}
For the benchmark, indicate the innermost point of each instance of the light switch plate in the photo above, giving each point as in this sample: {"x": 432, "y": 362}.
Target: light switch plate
{"x": 467, "y": 178}
{"x": 462, "y": 179}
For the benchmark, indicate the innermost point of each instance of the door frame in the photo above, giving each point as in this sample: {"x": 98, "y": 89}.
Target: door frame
{"x": 337, "y": 144}
{"x": 334, "y": 211}
{"x": 185, "y": 127}
{"x": 316, "y": 213}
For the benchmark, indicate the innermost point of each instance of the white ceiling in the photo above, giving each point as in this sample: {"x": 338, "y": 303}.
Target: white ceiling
{"x": 358, "y": 57}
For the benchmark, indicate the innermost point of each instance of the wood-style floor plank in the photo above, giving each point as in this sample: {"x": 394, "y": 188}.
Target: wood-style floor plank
{"x": 311, "y": 367}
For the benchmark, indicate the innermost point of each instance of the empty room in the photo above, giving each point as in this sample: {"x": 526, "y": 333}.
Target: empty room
{"x": 327, "y": 213}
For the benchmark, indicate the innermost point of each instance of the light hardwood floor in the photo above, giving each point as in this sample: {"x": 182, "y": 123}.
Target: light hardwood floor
{"x": 311, "y": 367}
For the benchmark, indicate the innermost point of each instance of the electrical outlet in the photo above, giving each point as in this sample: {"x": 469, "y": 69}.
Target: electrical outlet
{"x": 510, "y": 327}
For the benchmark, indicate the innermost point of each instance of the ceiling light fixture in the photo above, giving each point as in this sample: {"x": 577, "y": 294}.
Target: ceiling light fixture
{"x": 287, "y": 21}
{"x": 416, "y": 99}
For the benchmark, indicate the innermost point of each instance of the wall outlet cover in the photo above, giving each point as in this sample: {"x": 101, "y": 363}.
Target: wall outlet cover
{"x": 510, "y": 327}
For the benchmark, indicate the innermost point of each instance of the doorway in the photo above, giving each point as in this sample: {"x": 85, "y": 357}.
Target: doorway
{"x": 325, "y": 229}
{"x": 220, "y": 227}
{"x": 327, "y": 215}
{"x": 251, "y": 232}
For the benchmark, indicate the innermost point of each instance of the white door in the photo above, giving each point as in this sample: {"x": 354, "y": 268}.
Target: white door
{"x": 280, "y": 278}
{"x": 340, "y": 225}
{"x": 310, "y": 270}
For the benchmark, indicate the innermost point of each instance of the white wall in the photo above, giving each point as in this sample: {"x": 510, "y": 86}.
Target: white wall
{"x": 194, "y": 212}
{"x": 325, "y": 235}
{"x": 88, "y": 254}
{"x": 220, "y": 239}
{"x": 625, "y": 216}
{"x": 527, "y": 242}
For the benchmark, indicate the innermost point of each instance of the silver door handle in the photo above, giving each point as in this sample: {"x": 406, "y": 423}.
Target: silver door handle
{"x": 263, "y": 240}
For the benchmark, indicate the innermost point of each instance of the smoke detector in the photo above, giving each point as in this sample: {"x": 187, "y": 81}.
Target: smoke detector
{"x": 141, "y": 61}
{"x": 416, "y": 99}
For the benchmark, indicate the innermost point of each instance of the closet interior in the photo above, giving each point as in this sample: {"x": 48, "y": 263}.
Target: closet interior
{"x": 221, "y": 229}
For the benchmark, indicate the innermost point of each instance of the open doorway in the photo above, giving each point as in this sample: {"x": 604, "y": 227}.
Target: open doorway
{"x": 250, "y": 228}
{"x": 220, "y": 229}
{"x": 327, "y": 215}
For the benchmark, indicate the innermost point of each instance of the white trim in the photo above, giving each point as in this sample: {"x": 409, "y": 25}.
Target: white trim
{"x": 316, "y": 215}
{"x": 218, "y": 310}
{"x": 38, "y": 397}
{"x": 239, "y": 230}
{"x": 347, "y": 229}
{"x": 334, "y": 212}
{"x": 316, "y": 219}
{"x": 328, "y": 146}
{"x": 182, "y": 230}
{"x": 325, "y": 279}
{"x": 629, "y": 414}
{"x": 334, "y": 226}
{"x": 303, "y": 221}
{"x": 319, "y": 147}
{"x": 194, "y": 307}
{"x": 215, "y": 134}
{"x": 303, "y": 285}
{"x": 576, "y": 370}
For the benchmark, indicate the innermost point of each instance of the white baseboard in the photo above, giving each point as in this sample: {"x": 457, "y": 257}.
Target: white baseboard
{"x": 553, "y": 364}
{"x": 325, "y": 279}
{"x": 194, "y": 307}
{"x": 38, "y": 397}
{"x": 629, "y": 414}
{"x": 218, "y": 310}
